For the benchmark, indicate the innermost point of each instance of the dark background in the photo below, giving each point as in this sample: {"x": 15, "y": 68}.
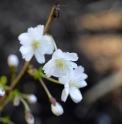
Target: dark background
{"x": 91, "y": 28}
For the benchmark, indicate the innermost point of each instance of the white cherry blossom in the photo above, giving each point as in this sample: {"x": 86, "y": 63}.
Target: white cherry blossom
{"x": 60, "y": 64}
{"x": 35, "y": 43}
{"x": 72, "y": 82}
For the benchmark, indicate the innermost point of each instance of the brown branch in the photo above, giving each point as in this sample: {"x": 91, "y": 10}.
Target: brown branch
{"x": 23, "y": 71}
{"x": 53, "y": 14}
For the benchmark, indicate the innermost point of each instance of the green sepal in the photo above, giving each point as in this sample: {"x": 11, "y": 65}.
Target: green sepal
{"x": 3, "y": 80}
{"x": 38, "y": 73}
{"x": 13, "y": 94}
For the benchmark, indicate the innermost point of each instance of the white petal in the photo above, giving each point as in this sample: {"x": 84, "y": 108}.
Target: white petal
{"x": 83, "y": 76}
{"x": 36, "y": 33}
{"x": 72, "y": 64}
{"x": 79, "y": 77}
{"x": 27, "y": 52}
{"x": 49, "y": 68}
{"x": 27, "y": 56}
{"x": 39, "y": 57}
{"x": 57, "y": 54}
{"x": 65, "y": 92}
{"x": 79, "y": 83}
{"x": 58, "y": 72}
{"x": 49, "y": 71}
{"x": 83, "y": 84}
{"x": 47, "y": 39}
{"x": 50, "y": 49}
{"x": 49, "y": 64}
{"x": 79, "y": 70}
{"x": 32, "y": 33}
{"x": 25, "y": 40}
{"x": 40, "y": 30}
{"x": 43, "y": 49}
{"x": 75, "y": 94}
{"x": 67, "y": 78}
{"x": 78, "y": 74}
{"x": 63, "y": 79}
{"x": 25, "y": 49}
{"x": 71, "y": 56}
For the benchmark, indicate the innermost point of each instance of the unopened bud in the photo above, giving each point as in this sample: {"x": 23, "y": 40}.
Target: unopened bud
{"x": 57, "y": 109}
{"x": 29, "y": 117}
{"x": 52, "y": 101}
{"x": 2, "y": 91}
{"x": 16, "y": 101}
{"x": 13, "y": 60}
{"x": 31, "y": 98}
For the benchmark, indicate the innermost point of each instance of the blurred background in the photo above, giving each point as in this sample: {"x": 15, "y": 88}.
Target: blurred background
{"x": 91, "y": 28}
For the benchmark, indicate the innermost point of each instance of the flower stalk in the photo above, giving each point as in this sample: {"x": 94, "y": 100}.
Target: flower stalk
{"x": 50, "y": 79}
{"x": 26, "y": 65}
{"x": 55, "y": 47}
{"x": 5, "y": 120}
{"x": 45, "y": 88}
{"x": 21, "y": 74}
{"x": 25, "y": 104}
{"x": 32, "y": 71}
{"x": 50, "y": 18}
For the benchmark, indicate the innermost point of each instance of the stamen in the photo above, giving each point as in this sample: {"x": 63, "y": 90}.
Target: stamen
{"x": 35, "y": 45}
{"x": 61, "y": 63}
{"x": 73, "y": 84}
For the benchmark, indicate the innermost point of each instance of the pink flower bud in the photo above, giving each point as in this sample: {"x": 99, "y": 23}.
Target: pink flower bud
{"x": 57, "y": 109}
{"x": 2, "y": 91}
{"x": 13, "y": 60}
{"x": 16, "y": 101}
{"x": 29, "y": 117}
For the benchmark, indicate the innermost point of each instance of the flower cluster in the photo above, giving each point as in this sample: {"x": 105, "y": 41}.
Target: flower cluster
{"x": 69, "y": 74}
{"x": 37, "y": 43}
{"x": 62, "y": 64}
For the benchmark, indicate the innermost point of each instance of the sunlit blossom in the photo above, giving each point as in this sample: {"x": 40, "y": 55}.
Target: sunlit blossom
{"x": 34, "y": 42}
{"x": 72, "y": 82}
{"x": 60, "y": 64}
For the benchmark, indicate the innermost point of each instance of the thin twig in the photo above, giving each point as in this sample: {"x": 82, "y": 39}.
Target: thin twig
{"x": 50, "y": 79}
{"x": 51, "y": 17}
{"x": 23, "y": 71}
{"x": 45, "y": 88}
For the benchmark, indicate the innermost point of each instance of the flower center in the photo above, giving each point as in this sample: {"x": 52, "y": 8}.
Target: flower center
{"x": 35, "y": 45}
{"x": 73, "y": 84}
{"x": 61, "y": 63}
